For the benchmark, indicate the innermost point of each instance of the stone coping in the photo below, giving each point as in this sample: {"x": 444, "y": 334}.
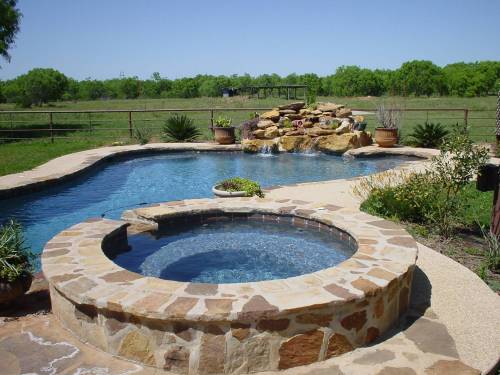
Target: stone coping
{"x": 75, "y": 265}
{"x": 375, "y": 150}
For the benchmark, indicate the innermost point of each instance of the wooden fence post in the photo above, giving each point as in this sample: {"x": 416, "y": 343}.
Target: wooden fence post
{"x": 212, "y": 120}
{"x": 12, "y": 133}
{"x": 466, "y": 116}
{"x": 130, "y": 128}
{"x": 51, "y": 127}
{"x": 90, "y": 123}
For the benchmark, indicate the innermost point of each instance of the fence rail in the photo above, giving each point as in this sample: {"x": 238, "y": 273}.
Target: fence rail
{"x": 67, "y": 124}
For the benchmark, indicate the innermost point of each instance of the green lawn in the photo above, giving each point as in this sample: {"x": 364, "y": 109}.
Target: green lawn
{"x": 21, "y": 156}
{"x": 78, "y": 131}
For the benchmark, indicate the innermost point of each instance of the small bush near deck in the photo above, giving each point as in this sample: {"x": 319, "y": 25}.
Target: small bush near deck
{"x": 180, "y": 128}
{"x": 250, "y": 187}
{"x": 15, "y": 257}
{"x": 439, "y": 197}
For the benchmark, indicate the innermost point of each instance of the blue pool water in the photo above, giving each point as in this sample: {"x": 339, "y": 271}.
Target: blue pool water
{"x": 233, "y": 252}
{"x": 122, "y": 184}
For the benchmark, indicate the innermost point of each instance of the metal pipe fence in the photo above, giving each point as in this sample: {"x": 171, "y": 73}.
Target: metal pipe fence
{"x": 68, "y": 124}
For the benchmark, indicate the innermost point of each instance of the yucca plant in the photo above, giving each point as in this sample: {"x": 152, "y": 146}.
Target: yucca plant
{"x": 428, "y": 135}
{"x": 15, "y": 258}
{"x": 180, "y": 128}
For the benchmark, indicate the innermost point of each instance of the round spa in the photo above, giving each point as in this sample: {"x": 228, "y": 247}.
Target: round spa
{"x": 231, "y": 286}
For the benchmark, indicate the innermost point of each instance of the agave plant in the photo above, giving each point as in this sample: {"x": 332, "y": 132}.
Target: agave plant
{"x": 15, "y": 258}
{"x": 429, "y": 135}
{"x": 180, "y": 128}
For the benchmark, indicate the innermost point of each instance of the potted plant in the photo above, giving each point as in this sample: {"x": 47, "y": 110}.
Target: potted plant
{"x": 223, "y": 131}
{"x": 390, "y": 119}
{"x": 15, "y": 262}
{"x": 237, "y": 187}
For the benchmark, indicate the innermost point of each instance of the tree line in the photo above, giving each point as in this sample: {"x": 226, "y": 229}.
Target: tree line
{"x": 413, "y": 78}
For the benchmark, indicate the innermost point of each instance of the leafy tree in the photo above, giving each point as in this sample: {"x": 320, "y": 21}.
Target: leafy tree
{"x": 412, "y": 78}
{"x": 184, "y": 88}
{"x": 213, "y": 86}
{"x": 312, "y": 81}
{"x": 72, "y": 91}
{"x": 471, "y": 79}
{"x": 354, "y": 81}
{"x": 419, "y": 77}
{"x": 154, "y": 87}
{"x": 130, "y": 88}
{"x": 38, "y": 86}
{"x": 91, "y": 89}
{"x": 9, "y": 25}
{"x": 241, "y": 81}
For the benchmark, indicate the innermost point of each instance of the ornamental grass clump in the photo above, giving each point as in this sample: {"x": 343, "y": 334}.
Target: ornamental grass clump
{"x": 15, "y": 257}
{"x": 250, "y": 187}
{"x": 389, "y": 118}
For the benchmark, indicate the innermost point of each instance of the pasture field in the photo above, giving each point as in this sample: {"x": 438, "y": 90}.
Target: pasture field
{"x": 78, "y": 131}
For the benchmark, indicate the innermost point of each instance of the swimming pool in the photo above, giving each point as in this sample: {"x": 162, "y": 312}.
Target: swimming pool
{"x": 128, "y": 182}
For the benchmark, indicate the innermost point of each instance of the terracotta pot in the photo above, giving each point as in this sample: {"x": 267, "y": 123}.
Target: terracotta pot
{"x": 12, "y": 290}
{"x": 227, "y": 194}
{"x": 386, "y": 137}
{"x": 224, "y": 136}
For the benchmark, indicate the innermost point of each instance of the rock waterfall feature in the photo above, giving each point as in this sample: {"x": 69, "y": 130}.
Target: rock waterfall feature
{"x": 326, "y": 127}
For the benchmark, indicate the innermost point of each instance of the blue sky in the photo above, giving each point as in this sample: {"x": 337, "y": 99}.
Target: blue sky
{"x": 101, "y": 38}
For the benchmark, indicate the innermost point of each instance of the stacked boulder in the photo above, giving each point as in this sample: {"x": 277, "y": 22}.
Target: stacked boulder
{"x": 326, "y": 127}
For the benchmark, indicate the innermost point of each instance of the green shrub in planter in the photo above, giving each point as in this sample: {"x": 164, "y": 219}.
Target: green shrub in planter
{"x": 223, "y": 122}
{"x": 250, "y": 187}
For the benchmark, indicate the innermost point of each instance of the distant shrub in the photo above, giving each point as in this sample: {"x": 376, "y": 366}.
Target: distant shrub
{"x": 250, "y": 187}
{"x": 428, "y": 135}
{"x": 180, "y": 128}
